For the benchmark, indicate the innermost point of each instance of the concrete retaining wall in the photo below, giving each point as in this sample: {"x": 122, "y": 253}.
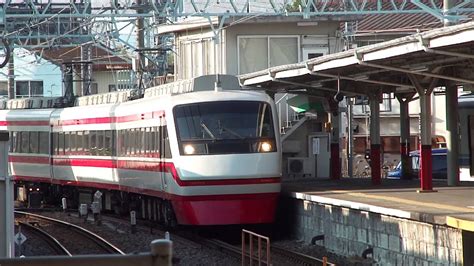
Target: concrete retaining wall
{"x": 395, "y": 241}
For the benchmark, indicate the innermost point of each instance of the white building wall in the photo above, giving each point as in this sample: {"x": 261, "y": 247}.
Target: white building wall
{"x": 104, "y": 79}
{"x": 390, "y": 121}
{"x": 29, "y": 68}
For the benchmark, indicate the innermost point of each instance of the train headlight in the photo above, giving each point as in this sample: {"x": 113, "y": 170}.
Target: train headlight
{"x": 266, "y": 146}
{"x": 189, "y": 149}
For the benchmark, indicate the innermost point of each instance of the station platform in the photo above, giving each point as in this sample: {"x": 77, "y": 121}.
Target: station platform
{"x": 452, "y": 206}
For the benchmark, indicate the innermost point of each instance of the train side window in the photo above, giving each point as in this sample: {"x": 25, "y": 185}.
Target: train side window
{"x": 12, "y": 144}
{"x": 136, "y": 141}
{"x": 99, "y": 142}
{"x": 55, "y": 143}
{"x": 18, "y": 142}
{"x": 24, "y": 141}
{"x": 148, "y": 141}
{"x": 61, "y": 143}
{"x": 142, "y": 141}
{"x": 80, "y": 142}
{"x": 159, "y": 141}
{"x": 126, "y": 141}
{"x": 67, "y": 143}
{"x": 166, "y": 152}
{"x": 86, "y": 143}
{"x": 93, "y": 142}
{"x": 72, "y": 142}
{"x": 108, "y": 142}
{"x": 120, "y": 142}
{"x": 33, "y": 142}
{"x": 43, "y": 142}
{"x": 154, "y": 141}
{"x": 130, "y": 141}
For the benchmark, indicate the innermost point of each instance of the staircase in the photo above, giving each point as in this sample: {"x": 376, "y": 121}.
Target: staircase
{"x": 289, "y": 120}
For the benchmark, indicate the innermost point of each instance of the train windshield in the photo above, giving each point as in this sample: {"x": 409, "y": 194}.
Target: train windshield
{"x": 225, "y": 127}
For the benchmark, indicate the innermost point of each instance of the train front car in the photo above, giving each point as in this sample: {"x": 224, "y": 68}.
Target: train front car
{"x": 228, "y": 158}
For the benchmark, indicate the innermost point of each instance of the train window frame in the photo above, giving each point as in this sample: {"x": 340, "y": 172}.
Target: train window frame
{"x": 156, "y": 141}
{"x": 265, "y": 113}
{"x": 67, "y": 143}
{"x": 142, "y": 141}
{"x": 148, "y": 141}
{"x": 128, "y": 141}
{"x": 120, "y": 144}
{"x": 72, "y": 142}
{"x": 86, "y": 142}
{"x": 13, "y": 142}
{"x": 93, "y": 142}
{"x": 54, "y": 136}
{"x": 61, "y": 143}
{"x": 43, "y": 142}
{"x": 100, "y": 142}
{"x": 108, "y": 142}
{"x": 166, "y": 142}
{"x": 79, "y": 142}
{"x": 24, "y": 146}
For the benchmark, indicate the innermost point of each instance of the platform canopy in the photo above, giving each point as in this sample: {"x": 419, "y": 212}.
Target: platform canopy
{"x": 444, "y": 55}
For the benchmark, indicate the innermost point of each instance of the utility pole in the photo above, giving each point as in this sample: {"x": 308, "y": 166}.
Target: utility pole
{"x": 140, "y": 62}
{"x": 350, "y": 137}
{"x": 452, "y": 116}
{"x": 11, "y": 76}
{"x": 6, "y": 201}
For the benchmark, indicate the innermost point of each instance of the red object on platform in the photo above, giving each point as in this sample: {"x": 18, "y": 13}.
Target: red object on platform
{"x": 426, "y": 168}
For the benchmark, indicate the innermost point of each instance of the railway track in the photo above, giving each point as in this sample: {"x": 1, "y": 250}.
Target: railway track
{"x": 75, "y": 239}
{"x": 51, "y": 242}
{"x": 279, "y": 255}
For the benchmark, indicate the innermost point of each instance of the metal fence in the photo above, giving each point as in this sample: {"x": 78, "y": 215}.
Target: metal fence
{"x": 160, "y": 254}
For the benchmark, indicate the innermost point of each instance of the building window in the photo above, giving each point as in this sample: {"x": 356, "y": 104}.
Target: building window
{"x": 261, "y": 52}
{"x": 119, "y": 87}
{"x": 3, "y": 88}
{"x": 386, "y": 105}
{"x": 29, "y": 88}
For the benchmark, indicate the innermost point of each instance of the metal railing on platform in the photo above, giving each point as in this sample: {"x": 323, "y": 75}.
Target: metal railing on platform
{"x": 250, "y": 254}
{"x": 160, "y": 254}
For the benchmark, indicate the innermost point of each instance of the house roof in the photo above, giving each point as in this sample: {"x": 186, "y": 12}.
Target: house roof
{"x": 197, "y": 23}
{"x": 402, "y": 23}
{"x": 101, "y": 59}
{"x": 443, "y": 54}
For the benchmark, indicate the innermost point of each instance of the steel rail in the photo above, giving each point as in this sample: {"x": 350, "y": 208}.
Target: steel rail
{"x": 52, "y": 242}
{"x": 298, "y": 257}
{"x": 101, "y": 242}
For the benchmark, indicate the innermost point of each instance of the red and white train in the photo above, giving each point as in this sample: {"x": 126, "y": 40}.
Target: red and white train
{"x": 187, "y": 152}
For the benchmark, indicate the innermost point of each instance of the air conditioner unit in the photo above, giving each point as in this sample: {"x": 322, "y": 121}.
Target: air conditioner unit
{"x": 301, "y": 166}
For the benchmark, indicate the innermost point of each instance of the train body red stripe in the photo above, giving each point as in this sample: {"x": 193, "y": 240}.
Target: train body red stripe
{"x": 111, "y": 120}
{"x": 166, "y": 167}
{"x": 24, "y": 123}
{"x": 150, "y": 192}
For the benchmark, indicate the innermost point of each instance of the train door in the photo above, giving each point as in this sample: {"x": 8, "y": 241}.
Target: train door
{"x": 161, "y": 140}
{"x": 52, "y": 146}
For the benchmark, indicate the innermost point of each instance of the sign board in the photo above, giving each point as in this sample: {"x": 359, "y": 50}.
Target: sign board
{"x": 316, "y": 146}
{"x": 20, "y": 239}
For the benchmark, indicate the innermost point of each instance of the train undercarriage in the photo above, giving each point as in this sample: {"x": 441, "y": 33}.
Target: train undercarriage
{"x": 45, "y": 195}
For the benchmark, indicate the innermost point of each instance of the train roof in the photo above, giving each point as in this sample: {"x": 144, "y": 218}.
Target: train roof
{"x": 202, "y": 83}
